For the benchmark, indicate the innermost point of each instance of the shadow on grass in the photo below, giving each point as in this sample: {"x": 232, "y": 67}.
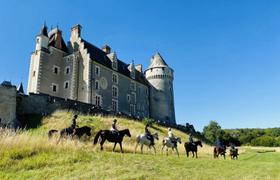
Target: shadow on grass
{"x": 30, "y": 121}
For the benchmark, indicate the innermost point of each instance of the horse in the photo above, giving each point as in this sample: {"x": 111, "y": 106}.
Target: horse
{"x": 233, "y": 153}
{"x": 171, "y": 144}
{"x": 192, "y": 147}
{"x": 219, "y": 151}
{"x": 143, "y": 140}
{"x": 77, "y": 132}
{"x": 114, "y": 137}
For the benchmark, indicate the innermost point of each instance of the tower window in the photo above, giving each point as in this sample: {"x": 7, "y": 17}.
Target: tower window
{"x": 128, "y": 98}
{"x": 54, "y": 87}
{"x": 67, "y": 70}
{"x": 98, "y": 100}
{"x": 96, "y": 85}
{"x": 55, "y": 69}
{"x": 66, "y": 84}
{"x": 97, "y": 71}
{"x": 34, "y": 73}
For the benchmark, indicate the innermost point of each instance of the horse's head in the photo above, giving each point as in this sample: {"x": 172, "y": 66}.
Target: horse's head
{"x": 89, "y": 132}
{"x": 199, "y": 143}
{"x": 155, "y": 135}
{"x": 127, "y": 132}
{"x": 178, "y": 139}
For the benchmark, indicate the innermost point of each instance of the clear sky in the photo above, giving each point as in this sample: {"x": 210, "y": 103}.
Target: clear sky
{"x": 225, "y": 53}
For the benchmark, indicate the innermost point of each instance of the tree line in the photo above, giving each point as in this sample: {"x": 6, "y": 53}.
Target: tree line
{"x": 248, "y": 136}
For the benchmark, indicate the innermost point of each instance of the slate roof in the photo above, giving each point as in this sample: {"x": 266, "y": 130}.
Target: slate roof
{"x": 157, "y": 61}
{"x": 51, "y": 35}
{"x": 100, "y": 57}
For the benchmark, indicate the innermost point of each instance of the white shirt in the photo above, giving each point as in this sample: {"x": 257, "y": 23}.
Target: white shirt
{"x": 170, "y": 134}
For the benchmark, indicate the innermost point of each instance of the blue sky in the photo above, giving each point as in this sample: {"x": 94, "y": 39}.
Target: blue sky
{"x": 225, "y": 53}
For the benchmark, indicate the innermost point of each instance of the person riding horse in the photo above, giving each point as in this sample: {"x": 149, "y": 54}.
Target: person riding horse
{"x": 114, "y": 128}
{"x": 191, "y": 139}
{"x": 71, "y": 129}
{"x": 148, "y": 134}
{"x": 172, "y": 137}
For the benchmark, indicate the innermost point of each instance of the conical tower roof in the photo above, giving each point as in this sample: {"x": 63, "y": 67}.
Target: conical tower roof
{"x": 44, "y": 30}
{"x": 20, "y": 88}
{"x": 157, "y": 61}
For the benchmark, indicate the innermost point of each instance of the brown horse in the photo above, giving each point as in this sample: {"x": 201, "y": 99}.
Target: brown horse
{"x": 114, "y": 137}
{"x": 192, "y": 147}
{"x": 219, "y": 151}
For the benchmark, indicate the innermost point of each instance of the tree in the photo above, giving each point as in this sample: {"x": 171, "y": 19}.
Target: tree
{"x": 213, "y": 131}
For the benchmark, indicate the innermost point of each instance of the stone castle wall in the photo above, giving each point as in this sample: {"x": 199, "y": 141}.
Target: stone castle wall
{"x": 8, "y": 96}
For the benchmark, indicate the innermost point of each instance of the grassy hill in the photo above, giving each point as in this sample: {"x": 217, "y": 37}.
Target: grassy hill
{"x": 29, "y": 154}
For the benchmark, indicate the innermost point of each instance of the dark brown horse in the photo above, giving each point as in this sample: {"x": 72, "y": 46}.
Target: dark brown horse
{"x": 233, "y": 152}
{"x": 219, "y": 151}
{"x": 77, "y": 132}
{"x": 114, "y": 137}
{"x": 192, "y": 147}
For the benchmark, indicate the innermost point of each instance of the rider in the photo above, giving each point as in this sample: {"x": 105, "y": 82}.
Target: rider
{"x": 171, "y": 136}
{"x": 114, "y": 128}
{"x": 73, "y": 126}
{"x": 190, "y": 138}
{"x": 148, "y": 134}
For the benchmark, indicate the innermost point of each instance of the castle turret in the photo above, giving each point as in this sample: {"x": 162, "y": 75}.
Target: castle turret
{"x": 160, "y": 77}
{"x": 42, "y": 39}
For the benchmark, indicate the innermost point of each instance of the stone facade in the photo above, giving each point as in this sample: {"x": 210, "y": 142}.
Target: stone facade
{"x": 81, "y": 72}
{"x": 8, "y": 94}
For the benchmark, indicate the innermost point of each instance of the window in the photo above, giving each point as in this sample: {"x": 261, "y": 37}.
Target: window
{"x": 54, "y": 87}
{"x": 55, "y": 69}
{"x": 133, "y": 97}
{"x": 66, "y": 84}
{"x": 98, "y": 100}
{"x": 37, "y": 40}
{"x": 115, "y": 78}
{"x": 114, "y": 65}
{"x": 114, "y": 91}
{"x": 114, "y": 105}
{"x": 96, "y": 85}
{"x": 67, "y": 70}
{"x": 34, "y": 73}
{"x": 97, "y": 70}
{"x": 128, "y": 98}
{"x": 132, "y": 86}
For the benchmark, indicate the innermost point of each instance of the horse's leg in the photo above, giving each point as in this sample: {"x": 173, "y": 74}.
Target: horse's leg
{"x": 101, "y": 144}
{"x": 121, "y": 146}
{"x": 154, "y": 150}
{"x": 114, "y": 147}
{"x": 177, "y": 151}
{"x": 166, "y": 150}
{"x": 187, "y": 152}
{"x": 162, "y": 148}
{"x": 142, "y": 148}
{"x": 196, "y": 154}
{"x": 192, "y": 154}
{"x": 136, "y": 147}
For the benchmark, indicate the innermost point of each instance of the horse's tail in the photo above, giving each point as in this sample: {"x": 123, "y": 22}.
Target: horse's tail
{"x": 96, "y": 137}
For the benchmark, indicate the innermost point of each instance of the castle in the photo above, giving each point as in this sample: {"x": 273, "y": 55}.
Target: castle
{"x": 83, "y": 72}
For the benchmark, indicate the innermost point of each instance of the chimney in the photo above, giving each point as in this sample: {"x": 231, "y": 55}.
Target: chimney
{"x": 139, "y": 68}
{"x": 58, "y": 39}
{"x": 106, "y": 49}
{"x": 75, "y": 32}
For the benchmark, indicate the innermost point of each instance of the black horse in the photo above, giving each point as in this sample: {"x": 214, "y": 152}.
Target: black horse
{"x": 192, "y": 147}
{"x": 233, "y": 152}
{"x": 114, "y": 137}
{"x": 220, "y": 151}
{"x": 77, "y": 132}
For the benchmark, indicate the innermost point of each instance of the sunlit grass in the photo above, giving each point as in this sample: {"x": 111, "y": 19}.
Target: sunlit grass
{"x": 30, "y": 154}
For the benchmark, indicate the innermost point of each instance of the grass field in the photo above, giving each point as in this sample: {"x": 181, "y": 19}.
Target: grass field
{"x": 29, "y": 154}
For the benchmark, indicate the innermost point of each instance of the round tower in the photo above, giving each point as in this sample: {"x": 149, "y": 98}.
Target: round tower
{"x": 160, "y": 77}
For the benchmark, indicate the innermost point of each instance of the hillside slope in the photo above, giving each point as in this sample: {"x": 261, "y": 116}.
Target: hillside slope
{"x": 29, "y": 154}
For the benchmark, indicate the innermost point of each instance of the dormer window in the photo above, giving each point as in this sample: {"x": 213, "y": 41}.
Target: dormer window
{"x": 114, "y": 65}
